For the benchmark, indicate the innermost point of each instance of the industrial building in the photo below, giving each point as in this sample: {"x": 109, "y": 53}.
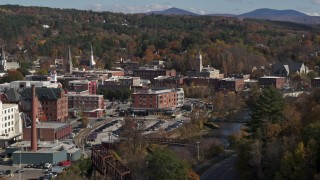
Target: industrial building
{"x": 35, "y": 151}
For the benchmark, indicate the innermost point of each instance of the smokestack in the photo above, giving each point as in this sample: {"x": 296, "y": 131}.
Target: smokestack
{"x": 34, "y": 108}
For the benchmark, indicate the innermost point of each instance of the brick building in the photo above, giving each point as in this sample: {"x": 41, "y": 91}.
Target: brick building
{"x": 232, "y": 84}
{"x": 155, "y": 101}
{"x": 90, "y": 105}
{"x": 53, "y": 103}
{"x": 49, "y": 131}
{"x": 169, "y": 81}
{"x": 202, "y": 81}
{"x": 82, "y": 86}
{"x": 127, "y": 64}
{"x": 277, "y": 82}
{"x": 151, "y": 73}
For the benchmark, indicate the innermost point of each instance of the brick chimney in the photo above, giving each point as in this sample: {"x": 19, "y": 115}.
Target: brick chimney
{"x": 34, "y": 109}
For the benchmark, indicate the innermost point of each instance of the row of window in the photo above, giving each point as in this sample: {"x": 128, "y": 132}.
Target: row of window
{"x": 7, "y": 117}
{"x": 7, "y": 130}
{"x": 7, "y": 124}
{"x": 7, "y": 110}
{"x": 84, "y": 99}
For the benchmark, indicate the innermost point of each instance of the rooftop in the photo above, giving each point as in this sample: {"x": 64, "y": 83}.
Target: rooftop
{"x": 50, "y": 125}
{"x": 271, "y": 77}
{"x": 7, "y": 106}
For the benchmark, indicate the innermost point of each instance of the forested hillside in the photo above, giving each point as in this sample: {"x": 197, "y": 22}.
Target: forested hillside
{"x": 229, "y": 44}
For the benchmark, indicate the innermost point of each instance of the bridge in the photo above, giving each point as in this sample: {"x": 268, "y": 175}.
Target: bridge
{"x": 172, "y": 142}
{"x": 106, "y": 164}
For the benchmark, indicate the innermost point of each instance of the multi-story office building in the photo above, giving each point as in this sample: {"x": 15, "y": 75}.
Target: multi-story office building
{"x": 10, "y": 124}
{"x": 90, "y": 105}
{"x": 156, "y": 101}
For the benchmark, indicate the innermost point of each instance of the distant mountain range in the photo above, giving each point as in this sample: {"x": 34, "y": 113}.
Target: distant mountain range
{"x": 267, "y": 14}
{"x": 174, "y": 11}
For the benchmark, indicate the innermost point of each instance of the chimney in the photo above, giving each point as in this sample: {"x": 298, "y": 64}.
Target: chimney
{"x": 34, "y": 108}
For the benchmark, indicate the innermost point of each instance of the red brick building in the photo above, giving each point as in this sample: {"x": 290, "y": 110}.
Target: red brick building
{"x": 232, "y": 84}
{"x": 90, "y": 105}
{"x": 82, "y": 86}
{"x": 148, "y": 73}
{"x": 277, "y": 82}
{"x": 202, "y": 81}
{"x": 49, "y": 131}
{"x": 53, "y": 103}
{"x": 152, "y": 101}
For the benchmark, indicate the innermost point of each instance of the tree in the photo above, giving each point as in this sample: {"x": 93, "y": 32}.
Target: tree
{"x": 85, "y": 121}
{"x": 42, "y": 71}
{"x": 79, "y": 170}
{"x": 11, "y": 76}
{"x": 293, "y": 165}
{"x": 268, "y": 108}
{"x": 163, "y": 164}
{"x": 24, "y": 71}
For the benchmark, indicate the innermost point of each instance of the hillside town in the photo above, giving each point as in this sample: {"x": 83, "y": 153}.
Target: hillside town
{"x": 43, "y": 114}
{"x": 103, "y": 95}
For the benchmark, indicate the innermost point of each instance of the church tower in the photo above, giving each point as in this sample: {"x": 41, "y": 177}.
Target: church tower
{"x": 199, "y": 62}
{"x": 69, "y": 63}
{"x": 3, "y": 61}
{"x": 92, "y": 62}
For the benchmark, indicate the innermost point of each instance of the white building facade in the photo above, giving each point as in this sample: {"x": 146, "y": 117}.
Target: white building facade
{"x": 10, "y": 125}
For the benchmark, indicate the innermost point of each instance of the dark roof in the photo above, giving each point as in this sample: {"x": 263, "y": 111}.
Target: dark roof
{"x": 12, "y": 95}
{"x": 42, "y": 93}
{"x": 293, "y": 67}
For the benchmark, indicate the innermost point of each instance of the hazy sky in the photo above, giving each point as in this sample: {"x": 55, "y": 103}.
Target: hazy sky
{"x": 311, "y": 7}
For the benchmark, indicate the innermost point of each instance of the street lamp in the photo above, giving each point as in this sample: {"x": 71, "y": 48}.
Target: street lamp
{"x": 147, "y": 170}
{"x": 198, "y": 148}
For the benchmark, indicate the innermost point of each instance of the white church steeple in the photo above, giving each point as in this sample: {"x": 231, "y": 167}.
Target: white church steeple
{"x": 199, "y": 62}
{"x": 92, "y": 62}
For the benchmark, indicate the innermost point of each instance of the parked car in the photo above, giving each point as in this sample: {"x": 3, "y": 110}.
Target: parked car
{"x": 47, "y": 166}
{"x": 20, "y": 170}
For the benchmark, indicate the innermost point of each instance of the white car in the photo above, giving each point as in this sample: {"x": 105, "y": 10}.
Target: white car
{"x": 47, "y": 166}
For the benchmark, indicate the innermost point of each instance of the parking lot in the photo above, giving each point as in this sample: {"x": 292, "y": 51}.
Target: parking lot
{"x": 28, "y": 174}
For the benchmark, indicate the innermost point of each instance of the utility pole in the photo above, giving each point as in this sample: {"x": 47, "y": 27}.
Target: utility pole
{"x": 20, "y": 162}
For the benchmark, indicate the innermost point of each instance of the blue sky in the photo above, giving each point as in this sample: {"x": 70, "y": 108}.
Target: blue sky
{"x": 311, "y": 7}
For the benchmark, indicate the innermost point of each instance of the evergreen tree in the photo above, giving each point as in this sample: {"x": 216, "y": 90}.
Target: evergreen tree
{"x": 267, "y": 108}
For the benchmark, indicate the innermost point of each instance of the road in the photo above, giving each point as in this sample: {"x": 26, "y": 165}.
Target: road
{"x": 224, "y": 170}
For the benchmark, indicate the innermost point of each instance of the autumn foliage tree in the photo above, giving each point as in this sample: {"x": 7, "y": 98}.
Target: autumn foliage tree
{"x": 11, "y": 76}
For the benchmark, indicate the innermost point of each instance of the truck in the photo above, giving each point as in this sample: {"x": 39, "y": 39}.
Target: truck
{"x": 65, "y": 163}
